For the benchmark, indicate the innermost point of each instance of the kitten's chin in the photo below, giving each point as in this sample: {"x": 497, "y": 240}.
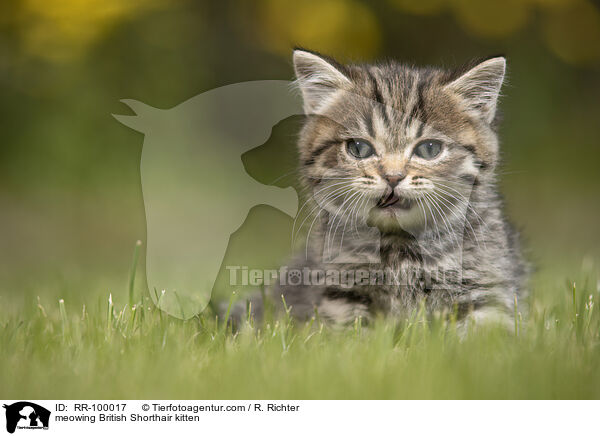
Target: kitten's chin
{"x": 392, "y": 220}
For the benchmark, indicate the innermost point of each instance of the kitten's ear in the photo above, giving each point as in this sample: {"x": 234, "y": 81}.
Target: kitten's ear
{"x": 318, "y": 78}
{"x": 480, "y": 86}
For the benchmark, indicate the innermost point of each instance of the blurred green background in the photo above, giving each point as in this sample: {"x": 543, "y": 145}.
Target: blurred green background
{"x": 71, "y": 206}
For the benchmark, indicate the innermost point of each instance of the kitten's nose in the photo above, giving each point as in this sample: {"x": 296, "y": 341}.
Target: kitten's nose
{"x": 393, "y": 179}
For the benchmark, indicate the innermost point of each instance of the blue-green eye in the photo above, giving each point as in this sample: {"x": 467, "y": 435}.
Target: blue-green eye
{"x": 428, "y": 149}
{"x": 359, "y": 148}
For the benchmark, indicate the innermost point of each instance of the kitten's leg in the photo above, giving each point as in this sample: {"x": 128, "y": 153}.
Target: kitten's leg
{"x": 342, "y": 312}
{"x": 250, "y": 307}
{"x": 332, "y": 305}
{"x": 497, "y": 310}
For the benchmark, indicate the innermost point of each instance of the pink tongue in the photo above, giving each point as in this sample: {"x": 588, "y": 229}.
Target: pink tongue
{"x": 389, "y": 200}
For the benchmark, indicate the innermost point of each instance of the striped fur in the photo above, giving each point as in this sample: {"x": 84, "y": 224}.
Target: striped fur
{"x": 451, "y": 221}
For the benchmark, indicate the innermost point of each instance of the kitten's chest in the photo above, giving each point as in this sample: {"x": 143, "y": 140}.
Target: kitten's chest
{"x": 421, "y": 276}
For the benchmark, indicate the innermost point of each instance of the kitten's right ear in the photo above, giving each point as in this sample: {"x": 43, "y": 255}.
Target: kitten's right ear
{"x": 318, "y": 79}
{"x": 480, "y": 86}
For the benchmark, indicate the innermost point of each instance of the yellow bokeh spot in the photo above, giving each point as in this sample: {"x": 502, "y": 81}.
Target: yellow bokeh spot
{"x": 491, "y": 18}
{"x": 572, "y": 31}
{"x": 419, "y": 7}
{"x": 550, "y": 3}
{"x": 338, "y": 27}
{"x": 63, "y": 30}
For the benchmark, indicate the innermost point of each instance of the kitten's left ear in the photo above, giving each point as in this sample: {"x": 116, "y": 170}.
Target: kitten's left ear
{"x": 318, "y": 78}
{"x": 480, "y": 86}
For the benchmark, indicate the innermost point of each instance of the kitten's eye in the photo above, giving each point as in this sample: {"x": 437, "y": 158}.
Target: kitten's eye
{"x": 428, "y": 149}
{"x": 360, "y": 148}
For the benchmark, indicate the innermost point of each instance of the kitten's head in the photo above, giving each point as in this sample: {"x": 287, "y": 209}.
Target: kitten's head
{"x": 397, "y": 145}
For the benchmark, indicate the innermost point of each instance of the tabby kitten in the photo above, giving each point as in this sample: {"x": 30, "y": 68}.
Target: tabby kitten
{"x": 399, "y": 163}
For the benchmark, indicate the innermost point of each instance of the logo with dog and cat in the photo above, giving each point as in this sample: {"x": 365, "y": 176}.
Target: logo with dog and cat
{"x": 24, "y": 415}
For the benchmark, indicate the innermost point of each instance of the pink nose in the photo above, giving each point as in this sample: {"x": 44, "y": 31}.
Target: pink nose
{"x": 393, "y": 180}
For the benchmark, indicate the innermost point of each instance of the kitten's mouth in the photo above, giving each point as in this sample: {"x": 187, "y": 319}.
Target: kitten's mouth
{"x": 392, "y": 200}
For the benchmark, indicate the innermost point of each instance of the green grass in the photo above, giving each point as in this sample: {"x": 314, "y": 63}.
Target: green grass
{"x": 107, "y": 348}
